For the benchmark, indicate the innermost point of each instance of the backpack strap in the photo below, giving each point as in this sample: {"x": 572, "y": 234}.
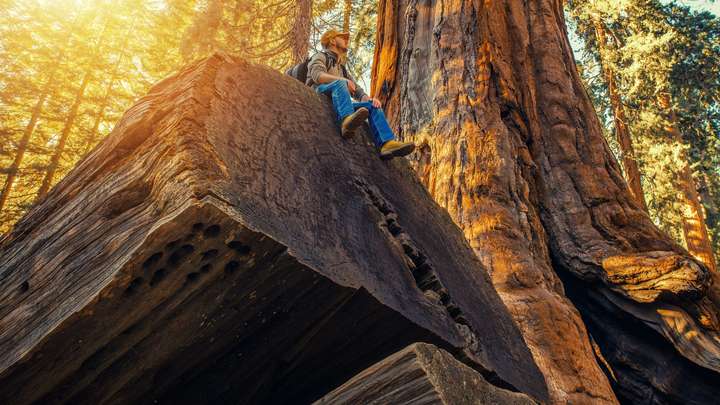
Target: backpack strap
{"x": 330, "y": 61}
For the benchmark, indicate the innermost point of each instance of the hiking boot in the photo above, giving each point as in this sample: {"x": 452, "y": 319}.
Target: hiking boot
{"x": 352, "y": 121}
{"x": 391, "y": 149}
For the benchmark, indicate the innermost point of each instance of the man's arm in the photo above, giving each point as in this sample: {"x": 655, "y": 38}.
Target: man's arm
{"x": 358, "y": 93}
{"x": 317, "y": 71}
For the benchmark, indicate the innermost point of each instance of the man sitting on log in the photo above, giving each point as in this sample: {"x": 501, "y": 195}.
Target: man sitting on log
{"x": 327, "y": 75}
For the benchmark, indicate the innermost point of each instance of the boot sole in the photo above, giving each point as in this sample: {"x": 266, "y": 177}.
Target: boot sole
{"x": 354, "y": 123}
{"x": 405, "y": 150}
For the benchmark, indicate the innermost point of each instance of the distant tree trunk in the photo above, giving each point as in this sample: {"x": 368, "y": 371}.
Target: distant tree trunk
{"x": 301, "y": 30}
{"x": 707, "y": 200}
{"x": 632, "y": 172}
{"x": 69, "y": 121}
{"x": 511, "y": 146}
{"x": 347, "y": 11}
{"x": 27, "y": 134}
{"x": 60, "y": 148}
{"x": 695, "y": 230}
{"x": 92, "y": 137}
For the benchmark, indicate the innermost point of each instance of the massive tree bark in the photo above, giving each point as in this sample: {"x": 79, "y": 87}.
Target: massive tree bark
{"x": 622, "y": 133}
{"x": 219, "y": 246}
{"x": 511, "y": 146}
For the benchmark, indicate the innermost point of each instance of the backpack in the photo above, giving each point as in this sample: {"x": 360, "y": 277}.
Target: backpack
{"x": 299, "y": 71}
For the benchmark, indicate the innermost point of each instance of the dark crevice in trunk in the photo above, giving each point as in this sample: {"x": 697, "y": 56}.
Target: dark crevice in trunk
{"x": 641, "y": 365}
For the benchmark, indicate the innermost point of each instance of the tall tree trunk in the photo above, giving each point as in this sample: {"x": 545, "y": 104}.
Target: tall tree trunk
{"x": 347, "y": 11}
{"x": 695, "y": 230}
{"x": 301, "y": 30}
{"x": 92, "y": 138}
{"x": 100, "y": 116}
{"x": 632, "y": 172}
{"x": 60, "y": 148}
{"x": 69, "y": 121}
{"x": 27, "y": 134}
{"x": 510, "y": 145}
{"x": 707, "y": 200}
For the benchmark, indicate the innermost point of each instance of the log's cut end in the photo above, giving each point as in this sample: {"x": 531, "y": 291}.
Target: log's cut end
{"x": 224, "y": 244}
{"x": 421, "y": 374}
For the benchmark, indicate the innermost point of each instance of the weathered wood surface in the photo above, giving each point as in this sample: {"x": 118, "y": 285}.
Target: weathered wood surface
{"x": 421, "y": 374}
{"x": 224, "y": 244}
{"x": 511, "y": 146}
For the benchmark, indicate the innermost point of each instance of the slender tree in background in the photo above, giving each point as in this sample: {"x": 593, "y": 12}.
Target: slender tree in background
{"x": 70, "y": 119}
{"x": 693, "y": 218}
{"x": 347, "y": 15}
{"x": 27, "y": 134}
{"x": 50, "y": 83}
{"x": 301, "y": 30}
{"x": 512, "y": 147}
{"x": 622, "y": 133}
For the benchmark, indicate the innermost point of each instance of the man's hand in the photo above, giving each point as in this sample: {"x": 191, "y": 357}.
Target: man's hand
{"x": 351, "y": 86}
{"x": 375, "y": 102}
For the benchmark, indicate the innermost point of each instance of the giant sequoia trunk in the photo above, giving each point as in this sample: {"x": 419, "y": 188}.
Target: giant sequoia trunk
{"x": 223, "y": 244}
{"x": 510, "y": 145}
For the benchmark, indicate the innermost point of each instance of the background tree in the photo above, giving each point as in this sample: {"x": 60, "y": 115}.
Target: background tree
{"x": 664, "y": 62}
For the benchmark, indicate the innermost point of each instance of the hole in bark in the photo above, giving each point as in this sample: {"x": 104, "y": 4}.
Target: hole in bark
{"x": 24, "y": 287}
{"x": 134, "y": 285}
{"x": 239, "y": 247}
{"x": 180, "y": 254}
{"x": 429, "y": 282}
{"x": 130, "y": 329}
{"x": 394, "y": 228}
{"x": 421, "y": 272}
{"x": 131, "y": 196}
{"x": 461, "y": 320}
{"x": 212, "y": 231}
{"x": 209, "y": 254}
{"x": 158, "y": 276}
{"x": 453, "y": 310}
{"x": 444, "y": 296}
{"x": 197, "y": 227}
{"x": 152, "y": 260}
{"x": 205, "y": 268}
{"x": 192, "y": 276}
{"x": 231, "y": 266}
{"x": 172, "y": 245}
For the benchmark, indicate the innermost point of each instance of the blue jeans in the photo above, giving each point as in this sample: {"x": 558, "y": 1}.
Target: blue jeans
{"x": 344, "y": 106}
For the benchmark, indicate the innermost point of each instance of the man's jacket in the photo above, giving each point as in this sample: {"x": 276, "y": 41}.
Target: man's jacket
{"x": 319, "y": 64}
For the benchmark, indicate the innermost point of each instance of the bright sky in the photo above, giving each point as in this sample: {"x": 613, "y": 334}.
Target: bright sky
{"x": 708, "y": 5}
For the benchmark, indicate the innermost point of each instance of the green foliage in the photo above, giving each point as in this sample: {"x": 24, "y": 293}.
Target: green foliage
{"x": 654, "y": 48}
{"x": 123, "y": 47}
